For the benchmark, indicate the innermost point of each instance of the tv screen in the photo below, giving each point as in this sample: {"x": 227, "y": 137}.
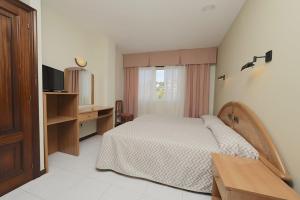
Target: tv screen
{"x": 53, "y": 79}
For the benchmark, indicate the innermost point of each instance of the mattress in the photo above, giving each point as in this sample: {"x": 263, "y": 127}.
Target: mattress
{"x": 171, "y": 151}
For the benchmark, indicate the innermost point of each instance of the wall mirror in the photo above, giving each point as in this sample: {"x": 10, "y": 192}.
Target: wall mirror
{"x": 80, "y": 81}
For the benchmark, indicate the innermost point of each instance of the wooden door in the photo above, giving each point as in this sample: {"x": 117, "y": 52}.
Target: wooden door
{"x": 16, "y": 93}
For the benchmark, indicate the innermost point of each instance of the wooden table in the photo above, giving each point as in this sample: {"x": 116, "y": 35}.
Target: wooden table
{"x": 247, "y": 179}
{"x": 103, "y": 115}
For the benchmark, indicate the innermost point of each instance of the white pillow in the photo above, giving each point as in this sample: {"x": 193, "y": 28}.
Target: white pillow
{"x": 231, "y": 142}
{"x": 210, "y": 119}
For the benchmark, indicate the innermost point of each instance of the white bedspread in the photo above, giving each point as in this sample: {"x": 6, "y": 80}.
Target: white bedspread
{"x": 171, "y": 151}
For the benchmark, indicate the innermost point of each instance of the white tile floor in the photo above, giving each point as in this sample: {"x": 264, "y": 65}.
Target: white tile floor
{"x": 75, "y": 178}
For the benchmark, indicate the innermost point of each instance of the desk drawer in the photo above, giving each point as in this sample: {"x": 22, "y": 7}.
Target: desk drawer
{"x": 88, "y": 116}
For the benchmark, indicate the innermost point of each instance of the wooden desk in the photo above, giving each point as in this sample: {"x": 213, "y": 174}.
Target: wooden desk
{"x": 103, "y": 115}
{"x": 247, "y": 179}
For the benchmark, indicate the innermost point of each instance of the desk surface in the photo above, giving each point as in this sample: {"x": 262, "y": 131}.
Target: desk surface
{"x": 251, "y": 176}
{"x": 86, "y": 109}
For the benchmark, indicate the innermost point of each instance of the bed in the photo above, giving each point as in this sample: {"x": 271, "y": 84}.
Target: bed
{"x": 177, "y": 151}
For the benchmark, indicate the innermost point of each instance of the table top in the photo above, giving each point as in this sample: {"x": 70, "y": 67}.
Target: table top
{"x": 252, "y": 176}
{"x": 92, "y": 108}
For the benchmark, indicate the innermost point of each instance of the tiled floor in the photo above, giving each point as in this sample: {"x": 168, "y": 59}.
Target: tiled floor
{"x": 75, "y": 178}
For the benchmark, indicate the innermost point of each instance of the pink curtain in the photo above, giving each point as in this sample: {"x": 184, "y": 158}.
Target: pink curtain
{"x": 131, "y": 90}
{"x": 72, "y": 80}
{"x": 197, "y": 90}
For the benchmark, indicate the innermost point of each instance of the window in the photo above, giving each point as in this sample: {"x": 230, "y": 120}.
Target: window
{"x": 160, "y": 83}
{"x": 161, "y": 90}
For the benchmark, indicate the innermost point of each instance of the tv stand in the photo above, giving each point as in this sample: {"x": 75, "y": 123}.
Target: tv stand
{"x": 60, "y": 124}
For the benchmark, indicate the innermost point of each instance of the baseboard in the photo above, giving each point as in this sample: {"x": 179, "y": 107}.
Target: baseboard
{"x": 42, "y": 172}
{"x": 88, "y": 136}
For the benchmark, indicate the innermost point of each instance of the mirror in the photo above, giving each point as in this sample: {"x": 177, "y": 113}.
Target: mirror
{"x": 85, "y": 88}
{"x": 81, "y": 81}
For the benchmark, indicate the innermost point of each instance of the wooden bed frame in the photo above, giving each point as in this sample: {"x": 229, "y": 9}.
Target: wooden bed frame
{"x": 240, "y": 118}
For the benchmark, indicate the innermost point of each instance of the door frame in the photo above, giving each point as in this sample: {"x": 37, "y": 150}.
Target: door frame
{"x": 35, "y": 100}
{"x": 36, "y": 171}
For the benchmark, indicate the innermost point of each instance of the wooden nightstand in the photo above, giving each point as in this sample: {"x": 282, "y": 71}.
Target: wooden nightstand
{"x": 246, "y": 179}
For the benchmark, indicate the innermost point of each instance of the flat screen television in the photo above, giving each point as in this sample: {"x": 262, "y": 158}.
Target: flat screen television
{"x": 53, "y": 79}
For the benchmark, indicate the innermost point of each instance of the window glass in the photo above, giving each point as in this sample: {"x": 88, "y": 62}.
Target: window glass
{"x": 160, "y": 83}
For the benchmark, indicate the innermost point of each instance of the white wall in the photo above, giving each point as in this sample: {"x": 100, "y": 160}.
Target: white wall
{"x": 271, "y": 90}
{"x": 63, "y": 40}
{"x": 119, "y": 87}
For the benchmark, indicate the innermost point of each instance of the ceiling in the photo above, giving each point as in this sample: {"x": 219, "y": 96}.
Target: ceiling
{"x": 153, "y": 25}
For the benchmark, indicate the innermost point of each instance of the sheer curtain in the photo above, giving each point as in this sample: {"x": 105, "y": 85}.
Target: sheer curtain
{"x": 175, "y": 79}
{"x": 172, "y": 101}
{"x": 147, "y": 92}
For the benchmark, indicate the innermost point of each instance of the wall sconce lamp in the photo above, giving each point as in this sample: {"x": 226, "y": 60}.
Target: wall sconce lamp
{"x": 222, "y": 77}
{"x": 267, "y": 56}
{"x": 81, "y": 62}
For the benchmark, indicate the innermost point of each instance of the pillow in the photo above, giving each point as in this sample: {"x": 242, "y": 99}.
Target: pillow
{"x": 231, "y": 142}
{"x": 210, "y": 119}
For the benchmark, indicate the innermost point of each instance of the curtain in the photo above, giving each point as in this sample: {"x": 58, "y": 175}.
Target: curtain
{"x": 175, "y": 80}
{"x": 197, "y": 90}
{"x": 85, "y": 87}
{"x": 171, "y": 103}
{"x": 147, "y": 90}
{"x": 71, "y": 80}
{"x": 131, "y": 90}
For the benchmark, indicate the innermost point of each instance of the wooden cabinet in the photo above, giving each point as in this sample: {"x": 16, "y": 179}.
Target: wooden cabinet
{"x": 247, "y": 179}
{"x": 60, "y": 124}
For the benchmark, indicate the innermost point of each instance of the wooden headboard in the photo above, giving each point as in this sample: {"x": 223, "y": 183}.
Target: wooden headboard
{"x": 240, "y": 118}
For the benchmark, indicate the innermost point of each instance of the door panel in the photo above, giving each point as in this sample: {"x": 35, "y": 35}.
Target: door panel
{"x": 15, "y": 96}
{"x": 10, "y": 162}
{"x": 6, "y": 110}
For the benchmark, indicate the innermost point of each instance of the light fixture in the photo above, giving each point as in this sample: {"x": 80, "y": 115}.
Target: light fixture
{"x": 247, "y": 65}
{"x": 222, "y": 77}
{"x": 81, "y": 62}
{"x": 267, "y": 56}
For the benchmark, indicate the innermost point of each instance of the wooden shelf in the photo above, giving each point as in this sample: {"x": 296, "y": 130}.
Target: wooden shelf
{"x": 61, "y": 125}
{"x": 60, "y": 119}
{"x": 97, "y": 117}
{"x": 85, "y": 109}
